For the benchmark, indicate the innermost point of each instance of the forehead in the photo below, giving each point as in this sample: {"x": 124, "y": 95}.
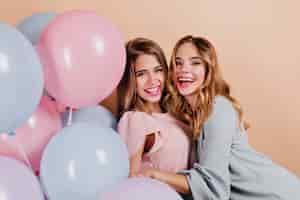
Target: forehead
{"x": 187, "y": 50}
{"x": 146, "y": 61}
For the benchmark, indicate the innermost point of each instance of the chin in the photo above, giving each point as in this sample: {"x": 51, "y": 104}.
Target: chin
{"x": 187, "y": 91}
{"x": 152, "y": 99}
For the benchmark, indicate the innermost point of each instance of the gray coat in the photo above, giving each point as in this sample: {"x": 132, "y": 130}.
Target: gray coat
{"x": 227, "y": 167}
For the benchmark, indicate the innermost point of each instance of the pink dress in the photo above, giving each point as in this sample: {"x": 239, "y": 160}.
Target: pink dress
{"x": 170, "y": 151}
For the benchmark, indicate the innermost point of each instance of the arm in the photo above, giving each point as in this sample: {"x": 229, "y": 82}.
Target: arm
{"x": 138, "y": 133}
{"x": 135, "y": 162}
{"x": 210, "y": 177}
{"x": 136, "y": 159}
{"x": 178, "y": 181}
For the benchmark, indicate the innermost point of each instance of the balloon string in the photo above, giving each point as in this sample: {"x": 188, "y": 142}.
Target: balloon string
{"x": 70, "y": 116}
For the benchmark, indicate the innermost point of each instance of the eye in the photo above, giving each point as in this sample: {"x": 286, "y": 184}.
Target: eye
{"x": 139, "y": 74}
{"x": 196, "y": 63}
{"x": 159, "y": 69}
{"x": 178, "y": 63}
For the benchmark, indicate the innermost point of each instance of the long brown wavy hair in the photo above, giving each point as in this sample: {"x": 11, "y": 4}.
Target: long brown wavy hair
{"x": 213, "y": 85}
{"x": 126, "y": 90}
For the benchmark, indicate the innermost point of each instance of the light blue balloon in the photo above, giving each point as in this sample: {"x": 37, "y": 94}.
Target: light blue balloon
{"x": 98, "y": 115}
{"x": 21, "y": 79}
{"x": 18, "y": 181}
{"x": 33, "y": 26}
{"x": 82, "y": 160}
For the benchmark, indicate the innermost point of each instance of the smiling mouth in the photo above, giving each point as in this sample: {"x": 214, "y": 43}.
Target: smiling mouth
{"x": 153, "y": 91}
{"x": 184, "y": 82}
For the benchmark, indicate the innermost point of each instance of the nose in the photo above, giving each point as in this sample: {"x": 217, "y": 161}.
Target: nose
{"x": 153, "y": 78}
{"x": 185, "y": 67}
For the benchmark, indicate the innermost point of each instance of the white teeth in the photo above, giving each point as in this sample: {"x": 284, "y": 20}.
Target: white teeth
{"x": 153, "y": 90}
{"x": 185, "y": 79}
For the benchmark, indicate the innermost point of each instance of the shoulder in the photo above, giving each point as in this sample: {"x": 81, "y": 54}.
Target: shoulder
{"x": 134, "y": 115}
{"x": 135, "y": 119}
{"x": 134, "y": 126}
{"x": 223, "y": 111}
{"x": 221, "y": 103}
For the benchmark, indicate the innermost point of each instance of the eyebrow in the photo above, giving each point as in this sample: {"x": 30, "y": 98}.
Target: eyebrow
{"x": 141, "y": 70}
{"x": 192, "y": 58}
{"x": 195, "y": 57}
{"x": 158, "y": 66}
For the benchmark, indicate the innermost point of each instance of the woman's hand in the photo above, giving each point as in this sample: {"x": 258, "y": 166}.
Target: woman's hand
{"x": 177, "y": 181}
{"x": 148, "y": 172}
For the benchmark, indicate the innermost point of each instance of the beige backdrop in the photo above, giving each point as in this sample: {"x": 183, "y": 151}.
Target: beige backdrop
{"x": 257, "y": 42}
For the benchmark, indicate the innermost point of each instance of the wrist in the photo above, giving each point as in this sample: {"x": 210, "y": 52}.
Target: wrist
{"x": 156, "y": 174}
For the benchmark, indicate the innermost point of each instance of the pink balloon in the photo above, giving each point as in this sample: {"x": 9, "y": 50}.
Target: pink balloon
{"x": 9, "y": 149}
{"x": 140, "y": 188}
{"x": 32, "y": 138}
{"x": 60, "y": 107}
{"x": 83, "y": 57}
{"x": 38, "y": 130}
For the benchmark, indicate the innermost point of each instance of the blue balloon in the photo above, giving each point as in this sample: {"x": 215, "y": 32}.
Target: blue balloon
{"x": 33, "y": 26}
{"x": 98, "y": 115}
{"x": 18, "y": 181}
{"x": 81, "y": 160}
{"x": 21, "y": 79}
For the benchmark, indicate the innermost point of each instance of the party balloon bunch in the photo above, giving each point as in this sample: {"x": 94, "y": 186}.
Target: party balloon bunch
{"x": 55, "y": 141}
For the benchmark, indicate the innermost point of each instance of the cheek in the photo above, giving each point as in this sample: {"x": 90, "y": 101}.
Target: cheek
{"x": 201, "y": 74}
{"x": 140, "y": 83}
{"x": 176, "y": 70}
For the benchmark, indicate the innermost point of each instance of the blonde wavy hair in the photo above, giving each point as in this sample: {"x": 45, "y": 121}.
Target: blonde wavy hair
{"x": 128, "y": 98}
{"x": 213, "y": 85}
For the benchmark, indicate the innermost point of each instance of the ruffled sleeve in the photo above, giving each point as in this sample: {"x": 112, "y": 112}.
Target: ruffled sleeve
{"x": 133, "y": 128}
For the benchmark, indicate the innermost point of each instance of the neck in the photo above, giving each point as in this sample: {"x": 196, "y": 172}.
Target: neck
{"x": 153, "y": 107}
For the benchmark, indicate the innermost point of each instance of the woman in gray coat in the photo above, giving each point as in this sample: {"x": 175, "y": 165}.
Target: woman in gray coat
{"x": 225, "y": 166}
